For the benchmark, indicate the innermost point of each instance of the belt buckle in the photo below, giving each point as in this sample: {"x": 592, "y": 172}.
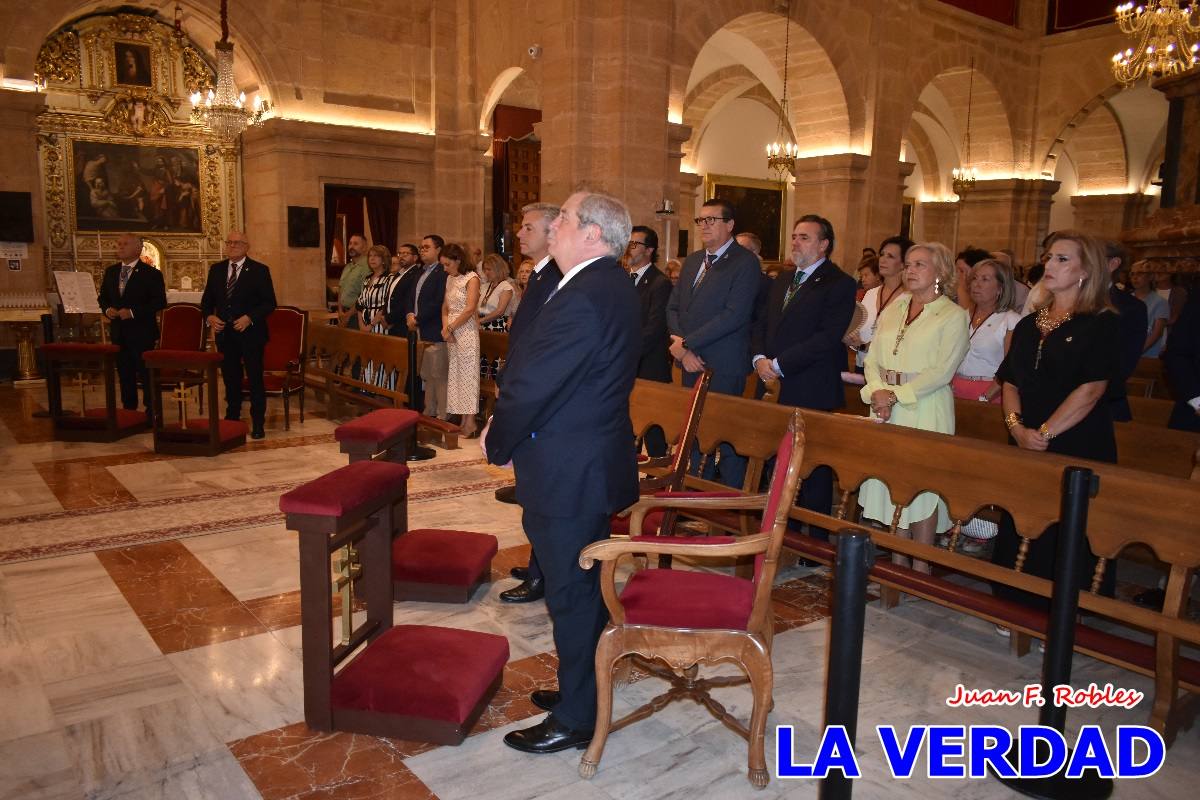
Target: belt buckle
{"x": 892, "y": 377}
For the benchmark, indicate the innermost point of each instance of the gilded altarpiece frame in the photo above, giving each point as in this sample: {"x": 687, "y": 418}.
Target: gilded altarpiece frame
{"x": 90, "y": 110}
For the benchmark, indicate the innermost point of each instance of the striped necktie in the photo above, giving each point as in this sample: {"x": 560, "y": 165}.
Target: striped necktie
{"x": 233, "y": 276}
{"x": 801, "y": 277}
{"x": 126, "y": 271}
{"x": 709, "y": 260}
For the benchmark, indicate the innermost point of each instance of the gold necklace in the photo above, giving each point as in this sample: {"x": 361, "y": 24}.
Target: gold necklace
{"x": 904, "y": 327}
{"x": 1046, "y": 325}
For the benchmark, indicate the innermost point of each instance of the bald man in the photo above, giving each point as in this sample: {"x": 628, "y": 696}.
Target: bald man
{"x": 238, "y": 297}
{"x": 131, "y": 295}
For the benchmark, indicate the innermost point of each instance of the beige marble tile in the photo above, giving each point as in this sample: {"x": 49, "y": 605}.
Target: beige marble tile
{"x": 257, "y": 562}
{"x": 127, "y": 749}
{"x": 245, "y": 686}
{"x": 214, "y": 776}
{"x": 39, "y": 768}
{"x": 24, "y": 710}
{"x": 99, "y": 694}
{"x": 155, "y": 480}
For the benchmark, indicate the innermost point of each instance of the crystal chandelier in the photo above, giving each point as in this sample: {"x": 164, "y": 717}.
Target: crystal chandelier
{"x": 781, "y": 153}
{"x": 962, "y": 179}
{"x": 223, "y": 110}
{"x": 1165, "y": 36}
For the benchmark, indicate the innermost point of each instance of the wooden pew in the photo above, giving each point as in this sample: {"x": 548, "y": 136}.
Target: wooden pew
{"x": 493, "y": 346}
{"x": 1150, "y": 410}
{"x": 1133, "y": 507}
{"x": 1140, "y": 445}
{"x": 335, "y": 355}
{"x": 1148, "y": 380}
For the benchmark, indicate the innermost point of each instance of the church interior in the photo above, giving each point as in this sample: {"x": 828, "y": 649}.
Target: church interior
{"x": 152, "y": 636}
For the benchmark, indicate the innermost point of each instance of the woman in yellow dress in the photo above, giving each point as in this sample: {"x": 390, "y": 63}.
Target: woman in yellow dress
{"x": 918, "y": 344}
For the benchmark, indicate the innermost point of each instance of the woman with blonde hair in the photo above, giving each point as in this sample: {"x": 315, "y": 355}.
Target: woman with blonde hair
{"x": 919, "y": 341}
{"x": 1055, "y": 376}
{"x": 991, "y": 291}
{"x": 496, "y": 295}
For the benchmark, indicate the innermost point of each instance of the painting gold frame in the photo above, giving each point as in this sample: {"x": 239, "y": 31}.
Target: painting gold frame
{"x": 760, "y": 205}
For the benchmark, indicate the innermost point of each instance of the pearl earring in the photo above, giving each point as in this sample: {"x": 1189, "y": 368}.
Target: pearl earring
{"x": 937, "y": 285}
{"x": 1080, "y": 282}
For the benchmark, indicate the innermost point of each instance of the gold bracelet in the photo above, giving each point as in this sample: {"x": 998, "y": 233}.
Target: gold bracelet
{"x": 1012, "y": 419}
{"x": 1044, "y": 432}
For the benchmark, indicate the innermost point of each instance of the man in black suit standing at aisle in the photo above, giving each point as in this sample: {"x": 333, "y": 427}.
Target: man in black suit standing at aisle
{"x": 799, "y": 337}
{"x": 654, "y": 292}
{"x": 709, "y": 316}
{"x": 131, "y": 295}
{"x": 533, "y": 233}
{"x": 425, "y": 319}
{"x": 238, "y": 298}
{"x": 562, "y": 419}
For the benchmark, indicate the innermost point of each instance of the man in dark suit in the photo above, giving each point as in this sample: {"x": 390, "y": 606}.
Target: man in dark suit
{"x": 709, "y": 315}
{"x": 238, "y": 298}
{"x": 425, "y": 319}
{"x": 400, "y": 297}
{"x": 1134, "y": 323}
{"x": 799, "y": 337}
{"x": 533, "y": 236}
{"x": 654, "y": 292}
{"x": 562, "y": 419}
{"x": 131, "y": 295}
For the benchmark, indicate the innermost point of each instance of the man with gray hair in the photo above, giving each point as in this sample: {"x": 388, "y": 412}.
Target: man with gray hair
{"x": 562, "y": 419}
{"x": 131, "y": 295}
{"x": 533, "y": 236}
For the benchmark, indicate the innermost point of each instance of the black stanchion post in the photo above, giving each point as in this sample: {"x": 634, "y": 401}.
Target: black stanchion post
{"x": 416, "y": 451}
{"x": 855, "y": 555}
{"x": 1079, "y": 486}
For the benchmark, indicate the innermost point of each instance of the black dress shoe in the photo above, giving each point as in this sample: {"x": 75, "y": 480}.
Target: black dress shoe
{"x": 507, "y": 494}
{"x": 257, "y": 433}
{"x": 527, "y": 592}
{"x": 548, "y": 736}
{"x": 546, "y": 699}
{"x": 520, "y": 573}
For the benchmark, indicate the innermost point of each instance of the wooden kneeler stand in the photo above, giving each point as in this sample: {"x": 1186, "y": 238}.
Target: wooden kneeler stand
{"x": 415, "y": 682}
{"x": 107, "y": 424}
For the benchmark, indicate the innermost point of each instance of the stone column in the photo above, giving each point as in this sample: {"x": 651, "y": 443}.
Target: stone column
{"x": 1009, "y": 213}
{"x": 606, "y": 78}
{"x": 835, "y": 187}
{"x": 937, "y": 223}
{"x": 1106, "y": 215}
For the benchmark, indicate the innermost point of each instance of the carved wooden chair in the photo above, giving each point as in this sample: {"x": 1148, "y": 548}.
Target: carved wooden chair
{"x": 283, "y": 358}
{"x": 682, "y": 618}
{"x": 647, "y": 404}
{"x": 181, "y": 327}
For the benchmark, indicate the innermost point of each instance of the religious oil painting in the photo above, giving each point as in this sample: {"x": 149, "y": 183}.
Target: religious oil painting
{"x": 125, "y": 187}
{"x": 758, "y": 205}
{"x": 132, "y": 64}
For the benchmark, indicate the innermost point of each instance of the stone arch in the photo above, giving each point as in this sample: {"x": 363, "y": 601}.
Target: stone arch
{"x": 949, "y": 68}
{"x": 1074, "y": 122}
{"x": 34, "y": 23}
{"x": 492, "y": 97}
{"x": 817, "y": 30}
{"x": 1098, "y": 150}
{"x": 931, "y": 169}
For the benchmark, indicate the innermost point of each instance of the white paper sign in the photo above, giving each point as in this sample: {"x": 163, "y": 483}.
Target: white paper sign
{"x": 77, "y": 291}
{"x": 17, "y": 250}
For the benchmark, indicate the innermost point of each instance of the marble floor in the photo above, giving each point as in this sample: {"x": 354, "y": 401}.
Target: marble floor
{"x": 150, "y": 647}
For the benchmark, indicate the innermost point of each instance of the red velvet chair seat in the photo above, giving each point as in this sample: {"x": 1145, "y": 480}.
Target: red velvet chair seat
{"x": 650, "y": 524}
{"x": 454, "y": 558}
{"x": 183, "y": 358}
{"x": 672, "y": 598}
{"x": 126, "y": 417}
{"x": 77, "y": 349}
{"x": 422, "y": 671}
{"x": 227, "y": 429}
{"x": 344, "y": 490}
{"x": 377, "y": 426}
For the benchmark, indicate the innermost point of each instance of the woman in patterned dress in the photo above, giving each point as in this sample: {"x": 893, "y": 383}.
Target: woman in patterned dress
{"x": 372, "y": 309}
{"x": 461, "y": 332}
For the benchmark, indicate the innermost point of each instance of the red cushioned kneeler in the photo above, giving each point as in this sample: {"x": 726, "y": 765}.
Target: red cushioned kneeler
{"x": 418, "y": 683}
{"x": 201, "y": 436}
{"x": 107, "y": 424}
{"x": 384, "y": 433}
{"x": 435, "y": 682}
{"x": 441, "y": 566}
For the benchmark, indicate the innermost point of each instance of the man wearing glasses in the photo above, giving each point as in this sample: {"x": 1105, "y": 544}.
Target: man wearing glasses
{"x": 654, "y": 292}
{"x": 709, "y": 315}
{"x": 238, "y": 298}
{"x": 425, "y": 320}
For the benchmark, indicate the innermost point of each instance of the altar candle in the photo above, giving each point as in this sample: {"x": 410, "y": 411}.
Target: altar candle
{"x": 99, "y": 252}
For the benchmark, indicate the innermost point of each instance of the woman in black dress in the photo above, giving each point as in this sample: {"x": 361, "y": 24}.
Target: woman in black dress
{"x": 1055, "y": 375}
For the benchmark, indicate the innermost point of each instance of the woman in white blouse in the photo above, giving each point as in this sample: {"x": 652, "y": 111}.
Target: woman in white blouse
{"x": 496, "y": 294}
{"x": 891, "y": 271}
{"x": 992, "y": 322}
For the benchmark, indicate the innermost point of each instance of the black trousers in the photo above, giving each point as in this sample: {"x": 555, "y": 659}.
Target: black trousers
{"x": 130, "y": 369}
{"x": 577, "y": 611}
{"x": 243, "y": 359}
